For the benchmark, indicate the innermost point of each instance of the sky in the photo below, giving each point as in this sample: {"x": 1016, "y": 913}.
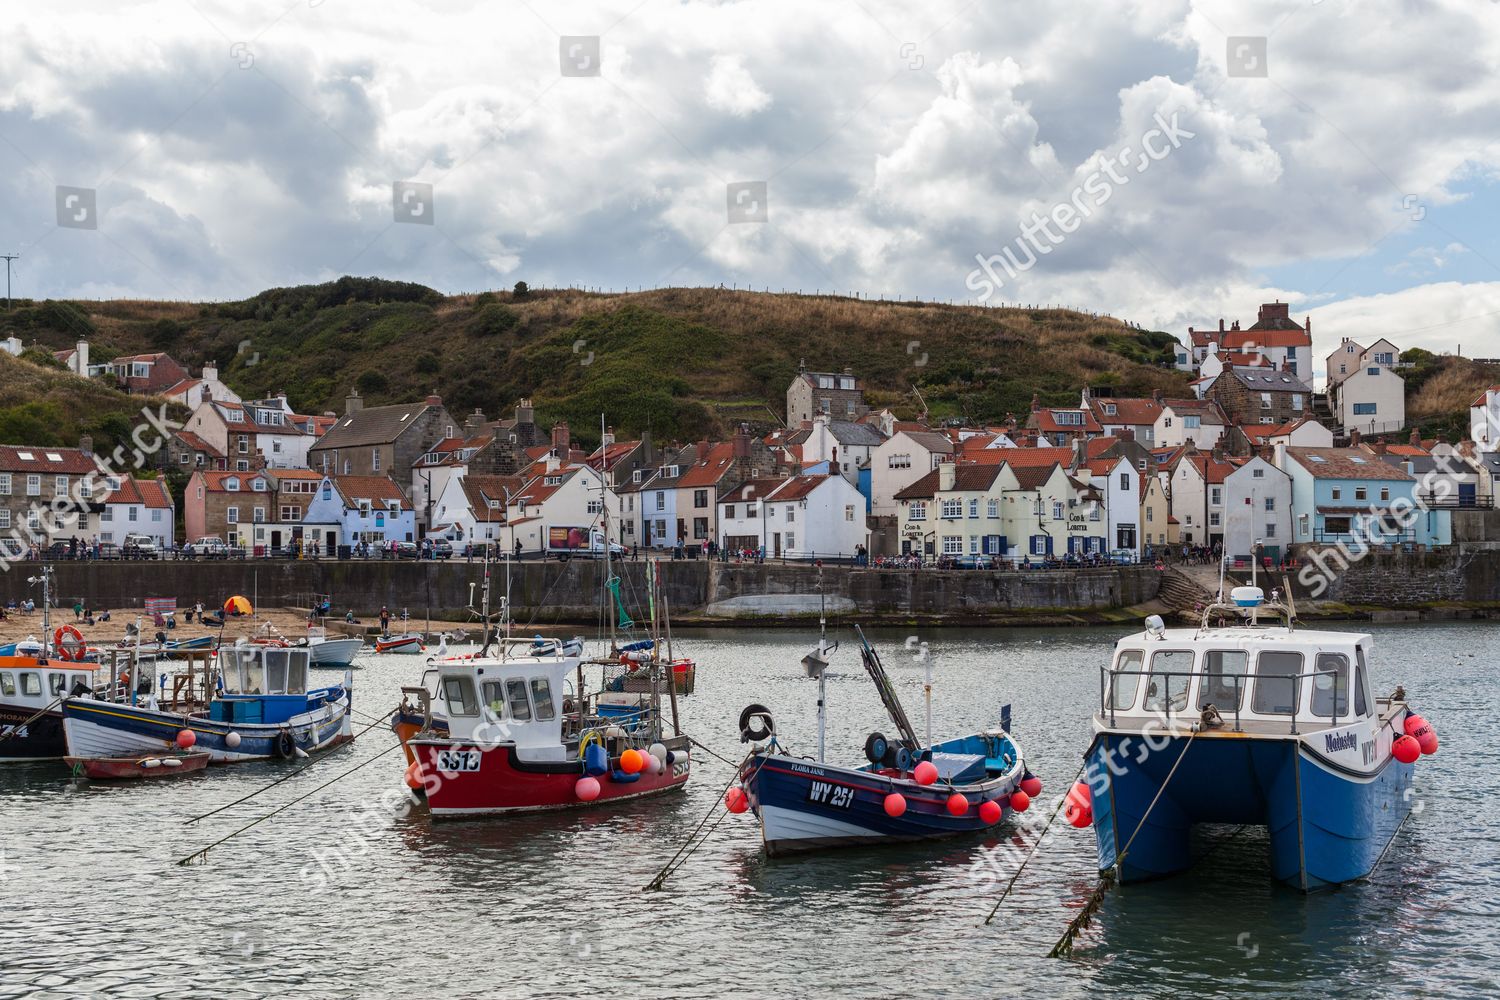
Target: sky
{"x": 1163, "y": 161}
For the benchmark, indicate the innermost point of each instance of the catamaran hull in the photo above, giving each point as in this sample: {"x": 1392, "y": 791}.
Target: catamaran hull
{"x": 24, "y": 738}
{"x": 495, "y": 781}
{"x": 335, "y": 652}
{"x": 100, "y": 729}
{"x": 804, "y": 806}
{"x": 1327, "y": 824}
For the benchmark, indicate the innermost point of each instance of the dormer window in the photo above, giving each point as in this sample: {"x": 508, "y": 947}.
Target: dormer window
{"x": 673, "y": 471}
{"x": 637, "y": 475}
{"x": 552, "y": 481}
{"x": 232, "y": 485}
{"x": 258, "y": 485}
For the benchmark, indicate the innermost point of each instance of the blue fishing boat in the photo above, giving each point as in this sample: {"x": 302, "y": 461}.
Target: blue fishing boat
{"x": 258, "y": 707}
{"x": 1243, "y": 722}
{"x": 908, "y": 789}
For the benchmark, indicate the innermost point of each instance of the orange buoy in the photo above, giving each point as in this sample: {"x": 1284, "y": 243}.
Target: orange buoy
{"x": 735, "y": 800}
{"x": 631, "y": 761}
{"x": 895, "y": 804}
{"x": 926, "y": 773}
{"x": 1405, "y": 749}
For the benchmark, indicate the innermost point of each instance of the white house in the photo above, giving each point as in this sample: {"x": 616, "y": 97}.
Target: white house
{"x": 1303, "y": 433}
{"x": 800, "y": 517}
{"x": 137, "y": 506}
{"x": 1364, "y": 391}
{"x": 471, "y": 509}
{"x": 562, "y": 496}
{"x": 1257, "y": 510}
{"x": 1118, "y": 481}
{"x": 368, "y": 509}
{"x": 846, "y": 445}
{"x": 901, "y": 460}
{"x": 1180, "y": 421}
{"x": 1484, "y": 421}
{"x": 1196, "y": 489}
{"x": 191, "y": 392}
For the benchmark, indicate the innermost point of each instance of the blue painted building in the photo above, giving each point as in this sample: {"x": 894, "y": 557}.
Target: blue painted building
{"x": 1351, "y": 496}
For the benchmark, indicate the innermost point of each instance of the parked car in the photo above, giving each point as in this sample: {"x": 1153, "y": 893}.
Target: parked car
{"x": 138, "y": 546}
{"x": 1123, "y": 557}
{"x": 58, "y": 550}
{"x": 207, "y": 547}
{"x": 407, "y": 550}
{"x": 442, "y": 549}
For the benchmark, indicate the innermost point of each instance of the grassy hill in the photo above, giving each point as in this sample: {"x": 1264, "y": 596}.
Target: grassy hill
{"x": 1439, "y": 389}
{"x": 683, "y": 362}
{"x": 42, "y": 404}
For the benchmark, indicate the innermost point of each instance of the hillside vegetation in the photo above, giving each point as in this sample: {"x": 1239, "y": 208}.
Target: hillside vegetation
{"x": 683, "y": 362}
{"x": 1439, "y": 390}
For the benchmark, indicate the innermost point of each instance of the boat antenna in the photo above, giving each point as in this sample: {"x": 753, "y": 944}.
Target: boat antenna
{"x": 604, "y": 524}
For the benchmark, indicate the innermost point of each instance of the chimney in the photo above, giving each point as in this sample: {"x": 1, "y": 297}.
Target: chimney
{"x": 608, "y": 438}
{"x": 560, "y": 439}
{"x": 86, "y": 445}
{"x": 554, "y": 462}
{"x": 1010, "y": 423}
{"x": 1280, "y": 456}
{"x": 1221, "y": 324}
{"x": 1380, "y": 446}
{"x": 1354, "y": 438}
{"x": 1078, "y": 452}
{"x": 525, "y": 414}
{"x": 434, "y": 400}
{"x": 741, "y": 443}
{"x": 210, "y": 371}
{"x": 1218, "y": 451}
{"x": 352, "y": 402}
{"x": 1416, "y": 439}
{"x": 1036, "y": 402}
{"x": 82, "y": 357}
{"x": 946, "y": 471}
{"x": 475, "y": 420}
{"x": 1125, "y": 433}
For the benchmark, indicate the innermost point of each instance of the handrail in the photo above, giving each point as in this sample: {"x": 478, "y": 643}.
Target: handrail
{"x": 1107, "y": 688}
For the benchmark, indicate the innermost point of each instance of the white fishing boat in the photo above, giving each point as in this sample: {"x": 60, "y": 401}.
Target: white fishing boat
{"x": 331, "y": 650}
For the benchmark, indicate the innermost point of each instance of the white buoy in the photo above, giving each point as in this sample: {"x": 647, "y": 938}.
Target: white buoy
{"x": 150, "y": 762}
{"x": 232, "y": 740}
{"x": 659, "y": 751}
{"x": 170, "y": 762}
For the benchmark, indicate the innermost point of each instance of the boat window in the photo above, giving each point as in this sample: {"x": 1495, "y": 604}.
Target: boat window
{"x": 1126, "y": 679}
{"x": 1331, "y": 685}
{"x": 57, "y": 682}
{"x": 541, "y": 695}
{"x": 296, "y": 671}
{"x": 1276, "y": 687}
{"x": 1223, "y": 684}
{"x": 1361, "y": 704}
{"x": 275, "y": 671}
{"x": 31, "y": 684}
{"x": 1167, "y": 687}
{"x": 494, "y": 697}
{"x": 459, "y": 693}
{"x": 515, "y": 693}
{"x": 7, "y": 683}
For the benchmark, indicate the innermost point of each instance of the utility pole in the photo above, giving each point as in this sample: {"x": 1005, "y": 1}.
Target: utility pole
{"x": 8, "y": 258}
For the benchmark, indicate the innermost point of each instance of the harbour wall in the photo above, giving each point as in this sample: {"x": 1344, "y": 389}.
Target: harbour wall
{"x": 555, "y": 593}
{"x": 1458, "y": 576}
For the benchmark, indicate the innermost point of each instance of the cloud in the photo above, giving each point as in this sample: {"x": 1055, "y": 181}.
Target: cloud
{"x": 731, "y": 88}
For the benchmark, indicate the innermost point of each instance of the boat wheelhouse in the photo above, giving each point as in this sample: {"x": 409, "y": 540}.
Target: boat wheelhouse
{"x": 1236, "y": 722}
{"x": 31, "y": 685}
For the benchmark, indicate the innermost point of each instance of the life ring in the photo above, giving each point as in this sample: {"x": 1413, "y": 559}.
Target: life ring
{"x": 63, "y": 651}
{"x": 286, "y": 747}
{"x": 749, "y": 732}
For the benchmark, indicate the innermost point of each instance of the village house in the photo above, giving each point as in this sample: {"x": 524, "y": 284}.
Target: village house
{"x": 699, "y": 488}
{"x": 148, "y": 374}
{"x": 1276, "y": 337}
{"x": 186, "y": 450}
{"x": 47, "y": 495}
{"x": 353, "y": 510}
{"x": 1257, "y": 510}
{"x": 471, "y": 510}
{"x": 662, "y": 525}
{"x": 1261, "y": 395}
{"x": 832, "y": 394}
{"x": 899, "y": 461}
{"x": 1118, "y": 483}
{"x": 227, "y": 505}
{"x": 1195, "y": 491}
{"x": 1200, "y": 422}
{"x": 449, "y": 460}
{"x": 137, "y": 507}
{"x": 956, "y": 506}
{"x": 1262, "y": 439}
{"x": 380, "y": 440}
{"x": 1058, "y": 426}
{"x": 846, "y": 446}
{"x": 1364, "y": 391}
{"x": 799, "y": 517}
{"x": 255, "y": 435}
{"x": 1116, "y": 414}
{"x": 561, "y": 497}
{"x": 193, "y": 392}
{"x": 1349, "y": 495}
{"x": 1484, "y": 421}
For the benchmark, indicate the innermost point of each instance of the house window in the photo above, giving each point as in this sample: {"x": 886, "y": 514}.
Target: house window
{"x": 1336, "y": 492}
{"x": 1149, "y": 516}
{"x": 953, "y": 545}
{"x": 1167, "y": 422}
{"x": 1216, "y": 496}
{"x": 791, "y": 513}
{"x": 661, "y": 500}
{"x": 231, "y": 485}
{"x": 700, "y": 527}
{"x": 1192, "y": 422}
{"x": 974, "y": 507}
{"x": 232, "y": 515}
{"x": 1270, "y": 503}
{"x": 60, "y": 486}
{"x": 33, "y": 486}
{"x": 1361, "y": 493}
{"x": 1257, "y": 473}
{"x": 791, "y": 541}
{"x": 1372, "y": 371}
{"x": 1296, "y": 400}
{"x": 992, "y": 507}
{"x": 700, "y": 498}
{"x": 243, "y": 443}
{"x": 751, "y": 510}
{"x": 1124, "y": 481}
{"x": 898, "y": 461}
{"x": 729, "y": 511}
{"x": 4, "y": 518}
{"x": 1270, "y": 530}
{"x": 291, "y": 514}
{"x": 637, "y": 475}
{"x": 5, "y": 484}
{"x": 595, "y": 505}
{"x": 1364, "y": 409}
{"x": 849, "y": 512}
{"x": 953, "y": 508}
{"x": 1385, "y": 492}
{"x": 1109, "y": 408}
{"x": 375, "y": 459}
{"x": 134, "y": 512}
{"x": 1214, "y": 519}
{"x": 1265, "y": 401}
{"x": 1057, "y": 510}
{"x": 918, "y": 511}
{"x": 258, "y": 515}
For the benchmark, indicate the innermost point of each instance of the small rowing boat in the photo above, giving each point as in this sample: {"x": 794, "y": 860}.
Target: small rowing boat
{"x": 408, "y": 642}
{"x": 166, "y": 764}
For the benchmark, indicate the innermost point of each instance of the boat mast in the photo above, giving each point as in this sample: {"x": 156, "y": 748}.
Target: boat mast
{"x": 609, "y": 612}
{"x": 822, "y": 653}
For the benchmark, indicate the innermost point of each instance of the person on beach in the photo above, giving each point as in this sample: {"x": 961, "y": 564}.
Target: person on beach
{"x": 385, "y": 620}
{"x": 78, "y": 610}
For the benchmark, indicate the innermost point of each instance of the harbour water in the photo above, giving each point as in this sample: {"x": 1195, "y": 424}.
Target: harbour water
{"x": 342, "y": 895}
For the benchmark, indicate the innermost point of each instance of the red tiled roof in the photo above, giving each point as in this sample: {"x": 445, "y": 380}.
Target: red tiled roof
{"x": 181, "y": 387}
{"x": 1021, "y": 457}
{"x": 1202, "y": 338}
{"x": 706, "y": 473}
{"x": 1045, "y": 422}
{"x": 68, "y": 461}
{"x": 1032, "y": 477}
{"x": 1340, "y": 463}
{"x": 1409, "y": 450}
{"x": 798, "y": 487}
{"x": 966, "y": 479}
{"x": 148, "y": 492}
{"x": 480, "y": 490}
{"x": 1485, "y": 395}
{"x": 197, "y": 443}
{"x": 1136, "y": 412}
{"x": 1263, "y": 337}
{"x": 381, "y": 488}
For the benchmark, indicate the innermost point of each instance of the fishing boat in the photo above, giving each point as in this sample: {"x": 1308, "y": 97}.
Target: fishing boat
{"x": 35, "y": 675}
{"x": 408, "y": 642}
{"x": 1248, "y": 721}
{"x": 908, "y": 789}
{"x": 158, "y": 764}
{"x": 256, "y": 705}
{"x": 331, "y": 650}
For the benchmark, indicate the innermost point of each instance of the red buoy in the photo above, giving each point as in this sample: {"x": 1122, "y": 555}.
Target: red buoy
{"x": 1078, "y": 806}
{"x": 895, "y": 804}
{"x": 186, "y": 738}
{"x": 632, "y": 760}
{"x": 1427, "y": 740}
{"x": 926, "y": 773}
{"x": 735, "y": 800}
{"x": 1413, "y": 723}
{"x": 1405, "y": 749}
{"x": 1019, "y": 801}
{"x": 414, "y": 775}
{"x": 957, "y": 804}
{"x": 990, "y": 811}
{"x": 1031, "y": 785}
{"x": 587, "y": 789}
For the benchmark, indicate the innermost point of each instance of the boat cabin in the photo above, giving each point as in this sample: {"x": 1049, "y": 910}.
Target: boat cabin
{"x": 30, "y": 682}
{"x": 499, "y": 701}
{"x": 260, "y": 684}
{"x": 1272, "y": 679}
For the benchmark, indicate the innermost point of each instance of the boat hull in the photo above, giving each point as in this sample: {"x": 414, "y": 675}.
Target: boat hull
{"x": 806, "y": 806}
{"x": 170, "y": 765}
{"x": 1327, "y": 824}
{"x": 334, "y": 652}
{"x": 100, "y": 729}
{"x": 500, "y": 782}
{"x": 27, "y": 738}
{"x": 409, "y": 644}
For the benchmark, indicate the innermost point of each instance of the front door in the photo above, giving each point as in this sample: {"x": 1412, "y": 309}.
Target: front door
{"x": 1467, "y": 494}
{"x": 776, "y": 543}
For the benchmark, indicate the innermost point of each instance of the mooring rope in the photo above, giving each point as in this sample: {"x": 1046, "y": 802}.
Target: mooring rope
{"x": 203, "y": 854}
{"x": 1107, "y": 878}
{"x": 286, "y": 777}
{"x": 677, "y": 860}
{"x": 1038, "y": 845}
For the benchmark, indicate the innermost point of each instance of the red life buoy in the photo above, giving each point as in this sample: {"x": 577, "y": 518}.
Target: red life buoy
{"x": 63, "y": 652}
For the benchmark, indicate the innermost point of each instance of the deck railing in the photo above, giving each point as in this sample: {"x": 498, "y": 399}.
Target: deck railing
{"x": 1109, "y": 676}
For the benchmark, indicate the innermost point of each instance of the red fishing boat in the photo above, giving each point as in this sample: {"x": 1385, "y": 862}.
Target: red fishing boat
{"x": 162, "y": 764}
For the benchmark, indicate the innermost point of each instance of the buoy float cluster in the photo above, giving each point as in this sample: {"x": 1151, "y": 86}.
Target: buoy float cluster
{"x": 1419, "y": 739}
{"x": 1078, "y": 805}
{"x": 655, "y": 759}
